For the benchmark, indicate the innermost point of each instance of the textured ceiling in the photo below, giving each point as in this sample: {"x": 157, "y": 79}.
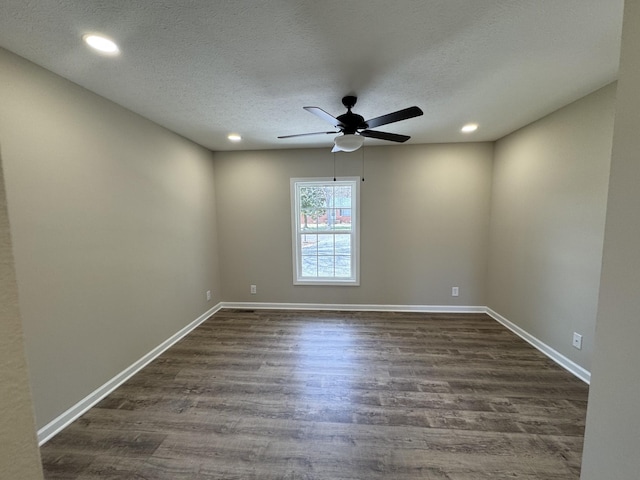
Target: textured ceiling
{"x": 205, "y": 68}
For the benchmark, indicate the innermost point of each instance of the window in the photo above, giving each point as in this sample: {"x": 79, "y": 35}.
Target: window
{"x": 325, "y": 225}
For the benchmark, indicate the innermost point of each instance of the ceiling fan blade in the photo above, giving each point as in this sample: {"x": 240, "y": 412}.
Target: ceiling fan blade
{"x": 304, "y": 134}
{"x": 392, "y": 137}
{"x": 327, "y": 117}
{"x": 394, "y": 117}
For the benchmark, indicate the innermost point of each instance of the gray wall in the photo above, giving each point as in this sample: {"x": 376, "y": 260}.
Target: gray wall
{"x": 548, "y": 206}
{"x": 612, "y": 440}
{"x": 424, "y": 223}
{"x": 19, "y": 456}
{"x": 113, "y": 225}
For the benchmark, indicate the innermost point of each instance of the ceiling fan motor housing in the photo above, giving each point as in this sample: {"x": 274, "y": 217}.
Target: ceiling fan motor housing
{"x": 351, "y": 122}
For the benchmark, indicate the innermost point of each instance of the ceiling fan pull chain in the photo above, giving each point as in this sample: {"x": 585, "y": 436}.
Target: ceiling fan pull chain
{"x": 363, "y": 163}
{"x": 334, "y": 166}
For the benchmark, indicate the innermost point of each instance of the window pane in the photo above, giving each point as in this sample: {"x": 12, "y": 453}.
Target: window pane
{"x": 314, "y": 222}
{"x": 325, "y": 244}
{"x": 325, "y": 266}
{"x": 343, "y": 266}
{"x": 331, "y": 219}
{"x": 309, "y": 244}
{"x": 343, "y": 196}
{"x": 329, "y": 194}
{"x": 342, "y": 244}
{"x": 309, "y": 266}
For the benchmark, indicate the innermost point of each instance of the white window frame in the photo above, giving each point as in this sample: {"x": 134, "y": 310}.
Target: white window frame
{"x": 298, "y": 278}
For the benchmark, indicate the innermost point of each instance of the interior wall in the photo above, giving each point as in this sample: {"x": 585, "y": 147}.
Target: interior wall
{"x": 547, "y": 223}
{"x": 114, "y": 231}
{"x": 612, "y": 439}
{"x": 19, "y": 455}
{"x": 424, "y": 223}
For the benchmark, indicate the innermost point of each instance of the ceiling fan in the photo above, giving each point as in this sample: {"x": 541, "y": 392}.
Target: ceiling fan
{"x": 355, "y": 128}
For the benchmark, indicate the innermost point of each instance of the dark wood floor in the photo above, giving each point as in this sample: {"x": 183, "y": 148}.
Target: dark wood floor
{"x": 335, "y": 395}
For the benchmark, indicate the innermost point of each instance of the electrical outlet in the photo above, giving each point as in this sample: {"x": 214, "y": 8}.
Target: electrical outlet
{"x": 208, "y": 295}
{"x": 254, "y": 290}
{"x": 577, "y": 341}
{"x": 455, "y": 291}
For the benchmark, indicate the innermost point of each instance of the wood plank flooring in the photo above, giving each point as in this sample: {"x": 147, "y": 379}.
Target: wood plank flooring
{"x": 334, "y": 395}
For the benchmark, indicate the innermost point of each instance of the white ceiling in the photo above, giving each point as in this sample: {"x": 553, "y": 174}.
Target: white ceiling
{"x": 206, "y": 68}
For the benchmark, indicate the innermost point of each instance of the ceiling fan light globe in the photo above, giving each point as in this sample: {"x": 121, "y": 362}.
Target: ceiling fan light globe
{"x": 349, "y": 142}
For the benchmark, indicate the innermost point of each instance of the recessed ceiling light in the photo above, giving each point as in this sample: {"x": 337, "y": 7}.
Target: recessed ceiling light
{"x": 101, "y": 44}
{"x": 234, "y": 137}
{"x": 470, "y": 127}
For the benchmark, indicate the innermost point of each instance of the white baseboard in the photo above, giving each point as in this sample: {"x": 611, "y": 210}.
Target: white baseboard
{"x": 355, "y": 307}
{"x": 554, "y": 355}
{"x": 55, "y": 426}
{"x": 59, "y": 423}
